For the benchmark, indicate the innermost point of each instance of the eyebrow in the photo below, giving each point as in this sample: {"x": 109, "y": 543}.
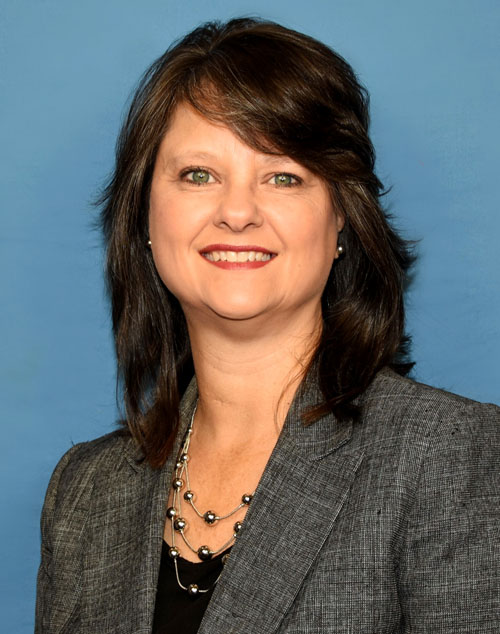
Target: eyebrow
{"x": 190, "y": 156}
{"x": 181, "y": 160}
{"x": 279, "y": 158}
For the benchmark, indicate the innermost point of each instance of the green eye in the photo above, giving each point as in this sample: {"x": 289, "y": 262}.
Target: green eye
{"x": 200, "y": 177}
{"x": 284, "y": 180}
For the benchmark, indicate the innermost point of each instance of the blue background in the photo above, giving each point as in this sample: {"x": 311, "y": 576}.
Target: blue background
{"x": 67, "y": 69}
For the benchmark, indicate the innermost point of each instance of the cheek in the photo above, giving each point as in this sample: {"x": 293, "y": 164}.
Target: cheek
{"x": 168, "y": 229}
{"x": 166, "y": 238}
{"x": 319, "y": 241}
{"x": 160, "y": 221}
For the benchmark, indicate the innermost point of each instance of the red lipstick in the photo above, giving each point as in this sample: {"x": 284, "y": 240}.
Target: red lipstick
{"x": 234, "y": 247}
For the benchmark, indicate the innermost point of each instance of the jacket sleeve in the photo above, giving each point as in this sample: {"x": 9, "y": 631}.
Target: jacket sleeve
{"x": 449, "y": 572}
{"x": 44, "y": 579}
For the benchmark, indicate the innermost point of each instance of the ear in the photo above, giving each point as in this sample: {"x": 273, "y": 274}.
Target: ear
{"x": 340, "y": 221}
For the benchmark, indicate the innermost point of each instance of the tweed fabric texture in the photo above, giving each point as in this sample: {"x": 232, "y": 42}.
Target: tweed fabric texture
{"x": 387, "y": 525}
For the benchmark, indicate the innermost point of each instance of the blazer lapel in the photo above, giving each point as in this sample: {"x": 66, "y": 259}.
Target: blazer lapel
{"x": 152, "y": 498}
{"x": 129, "y": 515}
{"x": 302, "y": 490}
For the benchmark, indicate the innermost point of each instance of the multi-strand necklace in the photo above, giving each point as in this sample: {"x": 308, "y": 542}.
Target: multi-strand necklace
{"x": 182, "y": 491}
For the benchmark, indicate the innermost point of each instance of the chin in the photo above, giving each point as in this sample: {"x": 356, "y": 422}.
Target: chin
{"x": 237, "y": 307}
{"x": 235, "y": 313}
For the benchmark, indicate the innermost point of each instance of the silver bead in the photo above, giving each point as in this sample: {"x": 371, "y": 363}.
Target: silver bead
{"x": 188, "y": 496}
{"x": 246, "y": 499}
{"x": 178, "y": 483}
{"x": 173, "y": 552}
{"x": 193, "y": 590}
{"x": 178, "y": 465}
{"x": 171, "y": 512}
{"x": 184, "y": 457}
{"x": 210, "y": 517}
{"x": 204, "y": 553}
{"x": 237, "y": 527}
{"x": 180, "y": 524}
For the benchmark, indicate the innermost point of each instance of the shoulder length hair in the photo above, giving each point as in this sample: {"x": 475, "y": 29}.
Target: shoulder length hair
{"x": 280, "y": 92}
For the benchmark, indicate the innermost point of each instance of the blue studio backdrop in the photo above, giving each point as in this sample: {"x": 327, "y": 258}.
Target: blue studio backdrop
{"x": 67, "y": 70}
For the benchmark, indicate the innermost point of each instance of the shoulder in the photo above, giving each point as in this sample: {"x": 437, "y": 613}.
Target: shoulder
{"x": 437, "y": 453}
{"x": 403, "y": 401}
{"x": 77, "y": 469}
{"x": 410, "y": 428}
{"x": 104, "y": 452}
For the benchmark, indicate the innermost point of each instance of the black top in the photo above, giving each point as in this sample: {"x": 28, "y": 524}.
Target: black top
{"x": 175, "y": 609}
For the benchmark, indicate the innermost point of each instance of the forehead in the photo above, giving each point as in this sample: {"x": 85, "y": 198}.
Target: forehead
{"x": 189, "y": 128}
{"x": 190, "y": 135}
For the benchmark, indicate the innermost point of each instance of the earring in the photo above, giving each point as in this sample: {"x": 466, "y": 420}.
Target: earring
{"x": 340, "y": 251}
{"x": 149, "y": 244}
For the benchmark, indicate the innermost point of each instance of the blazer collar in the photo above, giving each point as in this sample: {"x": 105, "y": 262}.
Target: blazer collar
{"x": 324, "y": 436}
{"x": 134, "y": 454}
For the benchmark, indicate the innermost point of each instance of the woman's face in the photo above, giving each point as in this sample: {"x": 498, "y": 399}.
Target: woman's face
{"x": 236, "y": 233}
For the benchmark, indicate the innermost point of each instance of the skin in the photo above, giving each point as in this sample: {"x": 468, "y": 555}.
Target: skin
{"x": 251, "y": 329}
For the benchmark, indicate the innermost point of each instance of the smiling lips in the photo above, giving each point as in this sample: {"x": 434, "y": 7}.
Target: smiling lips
{"x": 237, "y": 257}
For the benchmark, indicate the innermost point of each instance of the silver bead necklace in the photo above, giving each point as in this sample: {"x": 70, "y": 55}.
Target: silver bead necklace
{"x": 179, "y": 524}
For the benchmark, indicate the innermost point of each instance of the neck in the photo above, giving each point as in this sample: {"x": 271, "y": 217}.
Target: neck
{"x": 246, "y": 383}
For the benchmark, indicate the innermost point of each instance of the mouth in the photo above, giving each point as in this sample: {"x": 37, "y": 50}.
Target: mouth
{"x": 237, "y": 256}
{"x": 232, "y": 256}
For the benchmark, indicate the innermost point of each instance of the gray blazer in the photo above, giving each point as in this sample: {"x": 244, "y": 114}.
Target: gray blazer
{"x": 389, "y": 525}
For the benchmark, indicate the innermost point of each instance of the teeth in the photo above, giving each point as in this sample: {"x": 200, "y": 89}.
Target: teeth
{"x": 237, "y": 256}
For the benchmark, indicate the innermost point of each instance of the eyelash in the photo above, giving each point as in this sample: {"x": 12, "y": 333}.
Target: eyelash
{"x": 192, "y": 170}
{"x": 296, "y": 180}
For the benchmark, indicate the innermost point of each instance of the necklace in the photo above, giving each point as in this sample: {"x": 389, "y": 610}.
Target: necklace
{"x": 179, "y": 525}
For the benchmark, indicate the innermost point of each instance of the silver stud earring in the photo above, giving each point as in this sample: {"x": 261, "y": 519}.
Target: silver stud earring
{"x": 149, "y": 244}
{"x": 340, "y": 250}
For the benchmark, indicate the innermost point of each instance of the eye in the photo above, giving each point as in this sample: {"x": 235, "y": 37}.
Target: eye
{"x": 197, "y": 176}
{"x": 285, "y": 180}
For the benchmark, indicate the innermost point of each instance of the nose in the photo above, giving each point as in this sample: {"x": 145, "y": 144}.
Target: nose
{"x": 238, "y": 208}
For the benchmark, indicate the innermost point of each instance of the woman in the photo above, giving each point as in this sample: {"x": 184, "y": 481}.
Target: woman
{"x": 295, "y": 483}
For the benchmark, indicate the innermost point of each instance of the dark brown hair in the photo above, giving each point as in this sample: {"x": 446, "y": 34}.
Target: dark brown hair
{"x": 281, "y": 92}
